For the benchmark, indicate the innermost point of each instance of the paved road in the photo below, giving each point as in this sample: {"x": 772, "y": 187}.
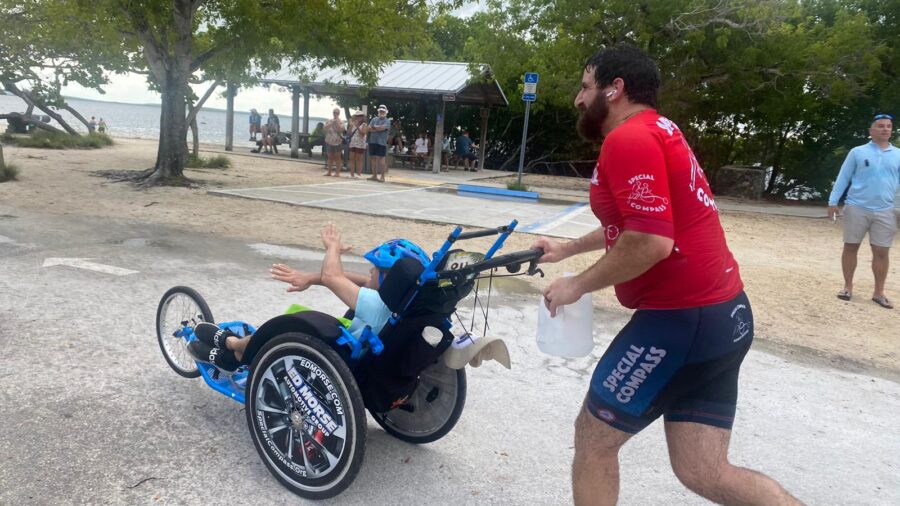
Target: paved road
{"x": 427, "y": 200}
{"x": 92, "y": 414}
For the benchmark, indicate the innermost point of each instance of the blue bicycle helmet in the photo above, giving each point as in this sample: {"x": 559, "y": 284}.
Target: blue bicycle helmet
{"x": 384, "y": 256}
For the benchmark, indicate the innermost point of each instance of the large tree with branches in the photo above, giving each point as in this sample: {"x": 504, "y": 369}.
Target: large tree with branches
{"x": 179, "y": 40}
{"x": 176, "y": 42}
{"x": 42, "y": 49}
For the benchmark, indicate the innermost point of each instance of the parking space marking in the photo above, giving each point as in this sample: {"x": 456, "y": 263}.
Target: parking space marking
{"x": 422, "y": 203}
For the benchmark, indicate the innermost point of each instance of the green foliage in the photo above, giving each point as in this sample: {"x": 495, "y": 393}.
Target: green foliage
{"x": 55, "y": 140}
{"x": 213, "y": 162}
{"x": 49, "y": 43}
{"x": 514, "y": 185}
{"x": 784, "y": 84}
{"x": 8, "y": 172}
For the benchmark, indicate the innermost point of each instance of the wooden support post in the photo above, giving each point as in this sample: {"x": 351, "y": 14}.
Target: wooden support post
{"x": 295, "y": 122}
{"x": 230, "y": 91}
{"x": 306, "y": 112}
{"x": 438, "y": 139}
{"x": 482, "y": 143}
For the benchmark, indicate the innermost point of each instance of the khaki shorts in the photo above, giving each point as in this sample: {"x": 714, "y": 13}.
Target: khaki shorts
{"x": 881, "y": 226}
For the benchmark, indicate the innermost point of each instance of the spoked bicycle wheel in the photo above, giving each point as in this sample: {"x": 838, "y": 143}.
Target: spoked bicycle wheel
{"x": 180, "y": 307}
{"x": 306, "y": 415}
{"x": 433, "y": 408}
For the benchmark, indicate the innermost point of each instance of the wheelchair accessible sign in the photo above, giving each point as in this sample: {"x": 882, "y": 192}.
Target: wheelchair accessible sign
{"x": 531, "y": 81}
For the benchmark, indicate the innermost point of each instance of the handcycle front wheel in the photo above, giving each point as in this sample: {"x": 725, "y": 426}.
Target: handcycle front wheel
{"x": 433, "y": 408}
{"x": 180, "y": 307}
{"x": 306, "y": 415}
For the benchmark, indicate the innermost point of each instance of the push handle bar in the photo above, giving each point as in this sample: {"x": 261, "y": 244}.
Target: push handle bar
{"x": 512, "y": 261}
{"x": 483, "y": 233}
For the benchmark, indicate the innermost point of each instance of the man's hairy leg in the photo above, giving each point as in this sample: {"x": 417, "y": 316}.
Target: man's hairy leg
{"x": 848, "y": 264}
{"x": 595, "y": 468}
{"x": 880, "y": 264}
{"x": 699, "y": 456}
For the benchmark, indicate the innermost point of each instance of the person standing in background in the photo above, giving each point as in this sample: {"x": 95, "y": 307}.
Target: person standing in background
{"x": 378, "y": 133}
{"x": 255, "y": 124}
{"x": 870, "y": 175}
{"x": 358, "y": 130}
{"x": 334, "y": 143}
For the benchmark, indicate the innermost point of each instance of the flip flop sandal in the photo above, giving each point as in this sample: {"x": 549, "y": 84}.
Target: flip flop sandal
{"x": 883, "y": 302}
{"x": 844, "y": 295}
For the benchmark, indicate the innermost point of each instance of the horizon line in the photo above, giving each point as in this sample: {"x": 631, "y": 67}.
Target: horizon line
{"x": 145, "y": 104}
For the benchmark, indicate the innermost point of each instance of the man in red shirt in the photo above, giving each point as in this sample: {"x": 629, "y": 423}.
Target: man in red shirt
{"x": 666, "y": 256}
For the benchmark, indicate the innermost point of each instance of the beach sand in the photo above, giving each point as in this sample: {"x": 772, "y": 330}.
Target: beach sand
{"x": 790, "y": 266}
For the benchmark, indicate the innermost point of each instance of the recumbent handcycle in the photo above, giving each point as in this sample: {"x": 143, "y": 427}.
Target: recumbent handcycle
{"x": 306, "y": 381}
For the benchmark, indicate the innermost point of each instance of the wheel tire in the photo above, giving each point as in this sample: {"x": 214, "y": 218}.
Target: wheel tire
{"x": 433, "y": 417}
{"x": 273, "y": 409}
{"x": 174, "y": 349}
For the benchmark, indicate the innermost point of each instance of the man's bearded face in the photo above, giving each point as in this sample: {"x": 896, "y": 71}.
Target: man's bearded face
{"x": 592, "y": 117}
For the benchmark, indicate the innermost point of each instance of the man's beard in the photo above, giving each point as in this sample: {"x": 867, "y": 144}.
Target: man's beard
{"x": 590, "y": 123}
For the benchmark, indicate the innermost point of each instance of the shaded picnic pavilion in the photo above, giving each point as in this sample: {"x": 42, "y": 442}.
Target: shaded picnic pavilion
{"x": 462, "y": 84}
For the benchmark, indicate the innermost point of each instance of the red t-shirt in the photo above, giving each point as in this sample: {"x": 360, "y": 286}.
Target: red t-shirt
{"x": 648, "y": 180}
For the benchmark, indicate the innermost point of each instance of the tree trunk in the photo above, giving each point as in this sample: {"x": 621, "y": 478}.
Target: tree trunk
{"x": 172, "y": 152}
{"x": 24, "y": 95}
{"x": 2, "y": 163}
{"x": 195, "y": 135}
{"x": 776, "y": 161}
{"x": 171, "y": 71}
{"x": 18, "y": 122}
{"x": 78, "y": 116}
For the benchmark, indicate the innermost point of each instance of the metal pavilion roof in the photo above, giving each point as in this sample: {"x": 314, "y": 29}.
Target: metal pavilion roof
{"x": 405, "y": 79}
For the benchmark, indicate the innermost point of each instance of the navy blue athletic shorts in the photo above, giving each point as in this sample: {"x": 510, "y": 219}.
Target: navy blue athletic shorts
{"x": 681, "y": 363}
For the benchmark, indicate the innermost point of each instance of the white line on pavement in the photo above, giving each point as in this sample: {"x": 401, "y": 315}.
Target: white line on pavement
{"x": 83, "y": 263}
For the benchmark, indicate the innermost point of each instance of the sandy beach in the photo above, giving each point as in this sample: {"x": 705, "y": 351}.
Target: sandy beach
{"x": 790, "y": 266}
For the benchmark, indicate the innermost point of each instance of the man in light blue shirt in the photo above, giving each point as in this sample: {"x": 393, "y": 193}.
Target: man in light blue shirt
{"x": 871, "y": 177}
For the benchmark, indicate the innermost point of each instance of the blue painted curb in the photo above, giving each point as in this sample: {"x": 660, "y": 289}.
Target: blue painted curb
{"x": 497, "y": 191}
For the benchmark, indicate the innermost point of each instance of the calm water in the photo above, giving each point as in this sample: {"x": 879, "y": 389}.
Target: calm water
{"x": 142, "y": 121}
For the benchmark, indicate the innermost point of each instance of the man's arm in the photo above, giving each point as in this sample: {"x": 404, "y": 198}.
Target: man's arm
{"x": 634, "y": 254}
{"x": 842, "y": 182}
{"x": 554, "y": 251}
{"x": 591, "y": 241}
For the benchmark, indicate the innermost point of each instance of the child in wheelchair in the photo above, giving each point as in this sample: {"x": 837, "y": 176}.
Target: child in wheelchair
{"x": 225, "y": 349}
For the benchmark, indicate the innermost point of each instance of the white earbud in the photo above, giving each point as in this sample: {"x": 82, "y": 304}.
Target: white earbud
{"x": 611, "y": 94}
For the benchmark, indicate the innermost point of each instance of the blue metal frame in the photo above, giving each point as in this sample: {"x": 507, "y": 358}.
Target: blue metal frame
{"x": 229, "y": 384}
{"x": 232, "y": 384}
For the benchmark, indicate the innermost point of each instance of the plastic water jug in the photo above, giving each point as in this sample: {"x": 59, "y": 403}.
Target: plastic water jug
{"x": 570, "y": 333}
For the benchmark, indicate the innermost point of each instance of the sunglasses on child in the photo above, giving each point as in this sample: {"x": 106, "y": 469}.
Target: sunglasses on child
{"x": 883, "y": 116}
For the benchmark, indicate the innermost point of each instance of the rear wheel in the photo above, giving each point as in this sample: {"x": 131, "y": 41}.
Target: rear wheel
{"x": 433, "y": 408}
{"x": 180, "y": 307}
{"x": 306, "y": 415}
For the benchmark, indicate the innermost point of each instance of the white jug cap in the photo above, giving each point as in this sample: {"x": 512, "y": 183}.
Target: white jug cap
{"x": 432, "y": 335}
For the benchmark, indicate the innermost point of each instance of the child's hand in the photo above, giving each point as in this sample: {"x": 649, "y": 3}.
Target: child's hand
{"x": 299, "y": 280}
{"x": 331, "y": 238}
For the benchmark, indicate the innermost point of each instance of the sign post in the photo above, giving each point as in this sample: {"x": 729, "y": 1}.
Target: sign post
{"x": 529, "y": 96}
